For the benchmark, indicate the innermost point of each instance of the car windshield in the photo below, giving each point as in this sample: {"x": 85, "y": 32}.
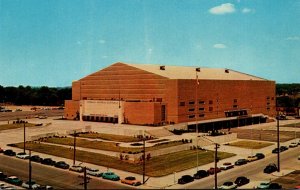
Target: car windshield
{"x": 264, "y": 183}
{"x": 228, "y": 183}
{"x": 93, "y": 170}
{"x": 130, "y": 178}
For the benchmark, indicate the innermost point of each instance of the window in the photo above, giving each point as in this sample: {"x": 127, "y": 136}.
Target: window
{"x": 191, "y": 102}
{"x": 201, "y": 109}
{"x": 211, "y": 108}
{"x": 272, "y": 98}
{"x": 268, "y": 108}
{"x": 191, "y": 116}
{"x": 201, "y": 115}
{"x": 163, "y": 112}
{"x": 201, "y": 102}
{"x": 268, "y": 97}
{"x": 210, "y": 102}
{"x": 235, "y": 106}
{"x": 268, "y": 103}
{"x": 182, "y": 104}
{"x": 234, "y": 100}
{"x": 192, "y": 109}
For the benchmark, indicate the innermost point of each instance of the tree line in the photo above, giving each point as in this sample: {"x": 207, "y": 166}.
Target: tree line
{"x": 50, "y": 96}
{"x": 44, "y": 96}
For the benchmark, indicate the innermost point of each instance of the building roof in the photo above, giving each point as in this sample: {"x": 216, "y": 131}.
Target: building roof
{"x": 189, "y": 72}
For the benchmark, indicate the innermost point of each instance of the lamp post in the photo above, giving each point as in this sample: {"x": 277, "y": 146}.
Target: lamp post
{"x": 196, "y": 113}
{"x": 24, "y": 137}
{"x": 74, "y": 148}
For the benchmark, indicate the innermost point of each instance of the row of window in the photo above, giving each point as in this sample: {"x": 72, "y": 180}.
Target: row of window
{"x": 202, "y": 109}
{"x": 193, "y": 116}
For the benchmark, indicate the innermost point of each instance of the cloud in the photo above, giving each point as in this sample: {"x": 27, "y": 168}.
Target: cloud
{"x": 294, "y": 38}
{"x": 102, "y": 41}
{"x": 220, "y": 46}
{"x": 246, "y": 10}
{"x": 223, "y": 9}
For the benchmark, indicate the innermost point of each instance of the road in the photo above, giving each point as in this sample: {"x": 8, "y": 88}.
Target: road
{"x": 253, "y": 170}
{"x": 49, "y": 175}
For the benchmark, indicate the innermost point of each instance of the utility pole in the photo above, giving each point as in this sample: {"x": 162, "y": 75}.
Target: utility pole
{"x": 216, "y": 160}
{"x": 74, "y": 148}
{"x": 278, "y": 139}
{"x": 30, "y": 173}
{"x": 24, "y": 139}
{"x": 84, "y": 179}
{"x": 144, "y": 160}
{"x": 278, "y": 145}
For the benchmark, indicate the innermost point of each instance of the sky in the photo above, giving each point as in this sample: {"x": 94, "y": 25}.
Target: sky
{"x": 54, "y": 42}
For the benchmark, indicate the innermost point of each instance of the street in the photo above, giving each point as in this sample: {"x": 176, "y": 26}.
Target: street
{"x": 49, "y": 175}
{"x": 253, "y": 170}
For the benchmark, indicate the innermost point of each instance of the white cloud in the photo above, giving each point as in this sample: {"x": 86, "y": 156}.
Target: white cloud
{"x": 294, "y": 38}
{"x": 220, "y": 46}
{"x": 246, "y": 10}
{"x": 223, "y": 9}
{"x": 102, "y": 41}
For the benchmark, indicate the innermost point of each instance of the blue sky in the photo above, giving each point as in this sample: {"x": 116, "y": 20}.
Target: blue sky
{"x": 53, "y": 42}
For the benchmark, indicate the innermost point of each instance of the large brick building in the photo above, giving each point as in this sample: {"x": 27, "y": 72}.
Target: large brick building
{"x": 157, "y": 95}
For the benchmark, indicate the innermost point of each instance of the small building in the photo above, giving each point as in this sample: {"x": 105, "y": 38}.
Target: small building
{"x": 157, "y": 95}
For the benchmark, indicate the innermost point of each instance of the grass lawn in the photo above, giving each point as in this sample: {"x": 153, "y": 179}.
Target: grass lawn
{"x": 155, "y": 167}
{"x": 110, "y": 146}
{"x": 291, "y": 125}
{"x": 250, "y": 144}
{"x": 110, "y": 137}
{"x": 15, "y": 126}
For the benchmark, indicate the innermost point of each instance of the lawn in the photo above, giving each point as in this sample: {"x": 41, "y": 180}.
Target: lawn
{"x": 250, "y": 144}
{"x": 155, "y": 167}
{"x": 291, "y": 125}
{"x": 110, "y": 137}
{"x": 100, "y": 145}
{"x": 15, "y": 126}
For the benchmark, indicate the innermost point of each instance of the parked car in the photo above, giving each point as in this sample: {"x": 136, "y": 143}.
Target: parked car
{"x": 22, "y": 155}
{"x": 242, "y": 180}
{"x": 94, "y": 172}
{"x": 35, "y": 158}
{"x": 45, "y": 187}
{"x": 228, "y": 185}
{"x": 62, "y": 164}
{"x": 110, "y": 176}
{"x": 14, "y": 180}
{"x": 211, "y": 171}
{"x": 9, "y": 152}
{"x": 283, "y": 148}
{"x": 241, "y": 162}
{"x": 251, "y": 158}
{"x": 264, "y": 185}
{"x": 48, "y": 161}
{"x": 276, "y": 150}
{"x": 76, "y": 168}
{"x": 270, "y": 168}
{"x": 2, "y": 176}
{"x": 185, "y": 179}
{"x": 226, "y": 166}
{"x": 200, "y": 174}
{"x": 275, "y": 186}
{"x": 260, "y": 156}
{"x": 1, "y": 150}
{"x": 293, "y": 145}
{"x": 33, "y": 185}
{"x": 130, "y": 180}
{"x": 299, "y": 157}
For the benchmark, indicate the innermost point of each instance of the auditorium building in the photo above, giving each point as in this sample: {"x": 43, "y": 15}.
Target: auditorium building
{"x": 157, "y": 95}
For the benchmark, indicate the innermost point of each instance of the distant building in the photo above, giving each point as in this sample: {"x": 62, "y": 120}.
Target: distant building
{"x": 159, "y": 94}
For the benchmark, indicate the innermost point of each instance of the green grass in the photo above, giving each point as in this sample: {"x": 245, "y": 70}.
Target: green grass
{"x": 15, "y": 126}
{"x": 250, "y": 144}
{"x": 100, "y": 145}
{"x": 155, "y": 167}
{"x": 110, "y": 137}
{"x": 291, "y": 125}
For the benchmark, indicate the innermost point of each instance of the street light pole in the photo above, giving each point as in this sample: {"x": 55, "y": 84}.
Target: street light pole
{"x": 74, "y": 148}
{"x": 30, "y": 173}
{"x": 278, "y": 139}
{"x": 216, "y": 160}
{"x": 24, "y": 139}
{"x": 144, "y": 160}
